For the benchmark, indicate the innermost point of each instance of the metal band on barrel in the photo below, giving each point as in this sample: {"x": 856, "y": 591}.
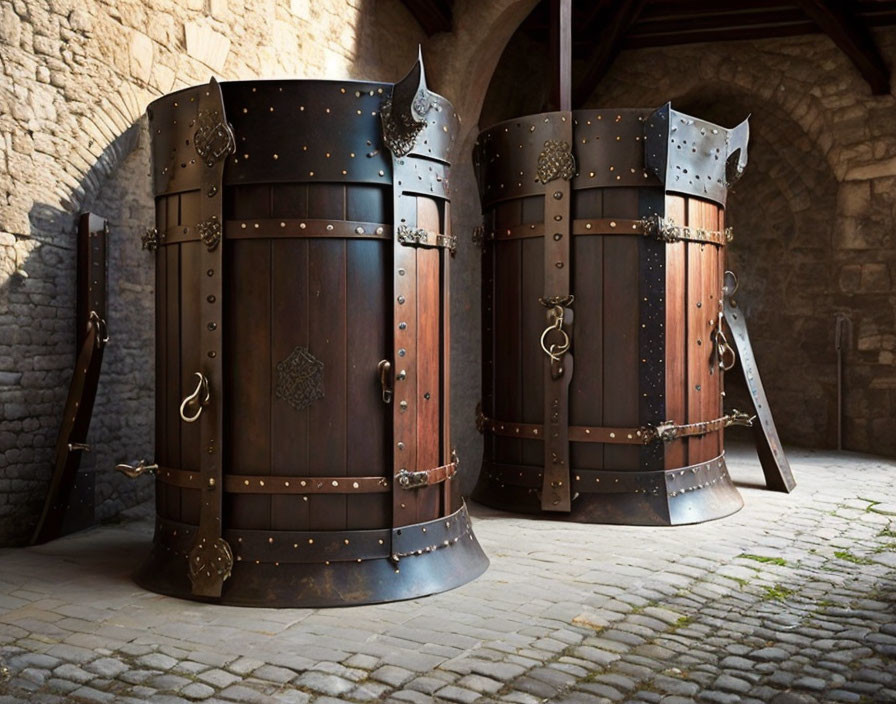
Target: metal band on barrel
{"x": 662, "y": 229}
{"x": 280, "y": 547}
{"x": 665, "y": 432}
{"x": 674, "y": 482}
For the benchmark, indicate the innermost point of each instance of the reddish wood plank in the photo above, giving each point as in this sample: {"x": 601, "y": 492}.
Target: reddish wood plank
{"x": 173, "y": 374}
{"x": 676, "y": 331}
{"x": 508, "y": 331}
{"x": 161, "y": 415}
{"x": 428, "y": 359}
{"x": 327, "y": 456}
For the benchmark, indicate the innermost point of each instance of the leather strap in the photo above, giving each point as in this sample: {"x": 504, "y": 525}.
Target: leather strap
{"x": 211, "y": 557}
{"x": 659, "y": 228}
{"x": 775, "y": 465}
{"x": 615, "y": 436}
{"x": 92, "y": 338}
{"x": 555, "y": 170}
{"x": 674, "y": 482}
{"x": 280, "y": 484}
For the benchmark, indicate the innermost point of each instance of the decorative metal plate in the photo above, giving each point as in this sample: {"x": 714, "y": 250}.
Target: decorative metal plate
{"x": 213, "y": 138}
{"x": 556, "y": 161}
{"x": 210, "y": 563}
{"x": 210, "y": 233}
{"x": 300, "y": 379}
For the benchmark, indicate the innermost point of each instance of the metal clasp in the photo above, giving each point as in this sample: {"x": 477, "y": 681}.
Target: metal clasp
{"x": 201, "y": 390}
{"x": 134, "y": 472}
{"x": 411, "y": 480}
{"x": 667, "y": 431}
{"x": 78, "y": 447}
{"x": 737, "y": 417}
{"x": 385, "y": 371}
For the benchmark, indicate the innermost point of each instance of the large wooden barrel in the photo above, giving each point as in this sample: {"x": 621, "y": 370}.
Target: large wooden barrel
{"x": 603, "y": 259}
{"x": 302, "y": 247}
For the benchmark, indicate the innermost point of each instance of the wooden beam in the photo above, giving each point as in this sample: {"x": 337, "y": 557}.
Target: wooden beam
{"x": 608, "y": 44}
{"x": 433, "y": 15}
{"x": 837, "y": 19}
{"x": 732, "y": 34}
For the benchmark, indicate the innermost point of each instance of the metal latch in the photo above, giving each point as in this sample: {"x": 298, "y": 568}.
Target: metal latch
{"x": 412, "y": 480}
{"x": 134, "y": 472}
{"x": 385, "y": 371}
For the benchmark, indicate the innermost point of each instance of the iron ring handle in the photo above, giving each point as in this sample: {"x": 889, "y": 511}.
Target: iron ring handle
{"x": 194, "y": 397}
{"x": 730, "y": 284}
{"x": 555, "y": 352}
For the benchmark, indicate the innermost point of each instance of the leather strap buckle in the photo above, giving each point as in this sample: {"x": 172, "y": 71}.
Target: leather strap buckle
{"x": 412, "y": 480}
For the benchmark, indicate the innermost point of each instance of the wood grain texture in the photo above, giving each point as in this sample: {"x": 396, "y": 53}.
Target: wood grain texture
{"x": 676, "y": 333}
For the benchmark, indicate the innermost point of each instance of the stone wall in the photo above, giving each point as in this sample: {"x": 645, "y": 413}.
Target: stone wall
{"x": 76, "y": 78}
{"x": 814, "y": 215}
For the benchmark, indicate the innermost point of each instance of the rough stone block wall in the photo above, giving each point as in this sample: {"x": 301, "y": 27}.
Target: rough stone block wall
{"x": 814, "y": 219}
{"x": 75, "y": 79}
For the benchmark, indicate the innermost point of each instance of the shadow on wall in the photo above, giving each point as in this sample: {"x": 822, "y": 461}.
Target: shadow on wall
{"x": 37, "y": 314}
{"x": 783, "y": 213}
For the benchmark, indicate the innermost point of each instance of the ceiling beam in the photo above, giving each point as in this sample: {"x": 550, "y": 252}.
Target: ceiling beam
{"x": 433, "y": 15}
{"x": 852, "y": 36}
{"x": 607, "y": 45}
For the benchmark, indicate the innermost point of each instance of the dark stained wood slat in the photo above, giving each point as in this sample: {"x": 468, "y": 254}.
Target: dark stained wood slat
{"x": 849, "y": 33}
{"x": 588, "y": 347}
{"x": 248, "y": 377}
{"x": 369, "y": 311}
{"x": 289, "y": 427}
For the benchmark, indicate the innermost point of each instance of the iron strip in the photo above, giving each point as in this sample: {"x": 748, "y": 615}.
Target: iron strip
{"x": 309, "y": 547}
{"x": 599, "y": 481}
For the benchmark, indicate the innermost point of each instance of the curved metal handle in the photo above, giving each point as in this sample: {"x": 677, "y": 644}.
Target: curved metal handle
{"x": 385, "y": 370}
{"x": 729, "y": 287}
{"x": 134, "y": 472}
{"x": 201, "y": 390}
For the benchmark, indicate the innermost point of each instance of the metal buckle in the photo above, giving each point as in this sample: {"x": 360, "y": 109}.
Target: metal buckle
{"x": 213, "y": 138}
{"x": 737, "y": 417}
{"x": 150, "y": 239}
{"x": 210, "y": 233}
{"x": 412, "y": 480}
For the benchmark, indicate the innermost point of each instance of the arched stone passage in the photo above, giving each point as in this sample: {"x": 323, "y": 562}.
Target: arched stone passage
{"x": 783, "y": 212}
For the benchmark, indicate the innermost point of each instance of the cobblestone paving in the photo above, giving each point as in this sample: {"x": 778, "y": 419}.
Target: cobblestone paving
{"x": 791, "y": 600}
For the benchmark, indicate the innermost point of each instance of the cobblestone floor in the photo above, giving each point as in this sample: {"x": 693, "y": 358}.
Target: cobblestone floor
{"x": 791, "y": 600}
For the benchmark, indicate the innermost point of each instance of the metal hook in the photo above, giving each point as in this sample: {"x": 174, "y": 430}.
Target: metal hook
{"x": 201, "y": 387}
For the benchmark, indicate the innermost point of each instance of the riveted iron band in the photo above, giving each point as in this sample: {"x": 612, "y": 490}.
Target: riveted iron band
{"x": 291, "y": 547}
{"x": 654, "y": 226}
{"x": 671, "y": 482}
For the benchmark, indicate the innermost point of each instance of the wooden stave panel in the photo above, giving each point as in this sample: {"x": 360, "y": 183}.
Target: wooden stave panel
{"x": 504, "y": 256}
{"x": 175, "y": 295}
